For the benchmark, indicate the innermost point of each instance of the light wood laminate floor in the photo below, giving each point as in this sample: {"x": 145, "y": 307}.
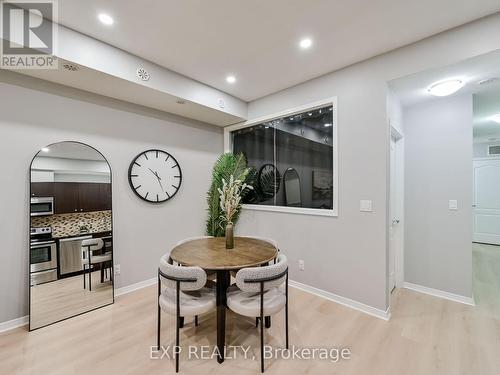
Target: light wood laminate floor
{"x": 57, "y": 300}
{"x": 426, "y": 335}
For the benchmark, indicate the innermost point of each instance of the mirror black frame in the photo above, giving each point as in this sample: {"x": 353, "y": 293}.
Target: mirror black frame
{"x": 290, "y": 171}
{"x": 28, "y": 231}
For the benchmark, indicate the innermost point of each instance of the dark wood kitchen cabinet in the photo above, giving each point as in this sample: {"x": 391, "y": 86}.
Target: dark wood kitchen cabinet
{"x": 66, "y": 197}
{"x": 42, "y": 189}
{"x": 70, "y": 197}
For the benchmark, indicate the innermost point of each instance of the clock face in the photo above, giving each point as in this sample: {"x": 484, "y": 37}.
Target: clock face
{"x": 155, "y": 176}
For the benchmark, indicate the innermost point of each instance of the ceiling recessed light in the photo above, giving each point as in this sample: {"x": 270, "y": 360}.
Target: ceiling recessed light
{"x": 445, "y": 88}
{"x": 106, "y": 19}
{"x": 231, "y": 79}
{"x": 495, "y": 118}
{"x": 45, "y": 149}
{"x": 327, "y": 125}
{"x": 310, "y": 114}
{"x": 305, "y": 43}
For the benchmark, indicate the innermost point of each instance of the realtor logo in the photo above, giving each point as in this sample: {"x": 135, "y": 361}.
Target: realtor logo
{"x": 28, "y": 34}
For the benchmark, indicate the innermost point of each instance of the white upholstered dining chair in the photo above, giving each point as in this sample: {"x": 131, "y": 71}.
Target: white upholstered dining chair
{"x": 89, "y": 246}
{"x": 186, "y": 293}
{"x": 260, "y": 292}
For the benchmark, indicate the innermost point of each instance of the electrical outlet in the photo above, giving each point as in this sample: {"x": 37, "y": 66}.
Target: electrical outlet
{"x": 453, "y": 204}
{"x": 222, "y": 104}
{"x": 366, "y": 205}
{"x": 301, "y": 265}
{"x": 116, "y": 267}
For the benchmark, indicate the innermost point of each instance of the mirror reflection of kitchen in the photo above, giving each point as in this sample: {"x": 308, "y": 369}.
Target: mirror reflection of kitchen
{"x": 71, "y": 241}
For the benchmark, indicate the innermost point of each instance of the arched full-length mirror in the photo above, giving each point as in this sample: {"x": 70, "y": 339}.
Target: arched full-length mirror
{"x": 292, "y": 188}
{"x": 71, "y": 236}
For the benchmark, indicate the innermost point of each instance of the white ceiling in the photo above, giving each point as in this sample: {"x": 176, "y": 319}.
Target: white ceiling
{"x": 71, "y": 150}
{"x": 257, "y": 40}
{"x": 413, "y": 90}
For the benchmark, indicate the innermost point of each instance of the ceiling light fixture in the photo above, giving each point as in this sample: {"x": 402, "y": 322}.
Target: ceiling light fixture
{"x": 106, "y": 19}
{"x": 305, "y": 43}
{"x": 445, "y": 88}
{"x": 45, "y": 149}
{"x": 231, "y": 79}
{"x": 328, "y": 125}
{"x": 496, "y": 118}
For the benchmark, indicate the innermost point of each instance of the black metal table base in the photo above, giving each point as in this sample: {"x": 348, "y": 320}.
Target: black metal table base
{"x": 223, "y": 279}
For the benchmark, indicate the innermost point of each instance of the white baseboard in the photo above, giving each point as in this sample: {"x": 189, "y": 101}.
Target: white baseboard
{"x": 133, "y": 287}
{"x": 439, "y": 293}
{"x": 385, "y": 315}
{"x": 14, "y": 323}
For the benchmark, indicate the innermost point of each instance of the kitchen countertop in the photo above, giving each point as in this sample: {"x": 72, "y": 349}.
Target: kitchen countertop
{"x": 83, "y": 234}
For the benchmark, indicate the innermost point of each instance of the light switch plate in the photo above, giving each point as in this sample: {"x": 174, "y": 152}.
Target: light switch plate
{"x": 453, "y": 204}
{"x": 366, "y": 206}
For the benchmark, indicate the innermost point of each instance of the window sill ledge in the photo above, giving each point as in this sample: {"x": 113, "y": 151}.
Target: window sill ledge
{"x": 292, "y": 210}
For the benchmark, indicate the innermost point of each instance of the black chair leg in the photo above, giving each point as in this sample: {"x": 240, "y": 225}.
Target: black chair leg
{"x": 178, "y": 313}
{"x": 196, "y": 320}
{"x": 256, "y": 321}
{"x": 159, "y": 329}
{"x": 102, "y": 275}
{"x": 286, "y": 309}
{"x": 261, "y": 343}
{"x": 181, "y": 322}
{"x": 84, "y": 282}
{"x": 262, "y": 323}
{"x": 286, "y": 323}
{"x": 159, "y": 316}
{"x": 90, "y": 279}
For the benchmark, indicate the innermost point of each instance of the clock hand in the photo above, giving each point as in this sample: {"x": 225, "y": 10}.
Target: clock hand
{"x": 158, "y": 177}
{"x": 159, "y": 181}
{"x": 155, "y": 173}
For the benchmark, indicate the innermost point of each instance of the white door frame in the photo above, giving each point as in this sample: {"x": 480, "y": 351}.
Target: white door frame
{"x": 397, "y": 136}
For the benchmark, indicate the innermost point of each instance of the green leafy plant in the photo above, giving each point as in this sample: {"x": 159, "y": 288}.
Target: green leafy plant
{"x": 227, "y": 165}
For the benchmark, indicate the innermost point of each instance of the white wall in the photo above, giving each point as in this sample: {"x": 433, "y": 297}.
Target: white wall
{"x": 348, "y": 255}
{"x": 143, "y": 232}
{"x": 438, "y": 167}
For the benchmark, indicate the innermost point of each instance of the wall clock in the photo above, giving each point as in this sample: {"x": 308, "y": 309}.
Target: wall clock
{"x": 155, "y": 176}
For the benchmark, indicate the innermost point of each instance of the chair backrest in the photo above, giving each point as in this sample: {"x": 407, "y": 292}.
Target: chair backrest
{"x": 268, "y": 240}
{"x": 248, "y": 279}
{"x": 93, "y": 244}
{"x": 192, "y": 239}
{"x": 194, "y": 277}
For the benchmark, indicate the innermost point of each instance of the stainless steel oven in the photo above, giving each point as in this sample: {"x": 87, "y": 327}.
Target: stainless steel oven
{"x": 42, "y": 206}
{"x": 43, "y": 256}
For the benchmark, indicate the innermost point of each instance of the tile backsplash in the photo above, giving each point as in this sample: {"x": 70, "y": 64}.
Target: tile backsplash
{"x": 64, "y": 225}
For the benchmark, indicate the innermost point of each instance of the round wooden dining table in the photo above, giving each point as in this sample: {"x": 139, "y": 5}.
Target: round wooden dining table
{"x": 211, "y": 255}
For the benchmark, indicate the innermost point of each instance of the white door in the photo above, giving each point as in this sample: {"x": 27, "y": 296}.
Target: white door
{"x": 486, "y": 201}
{"x": 394, "y": 216}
